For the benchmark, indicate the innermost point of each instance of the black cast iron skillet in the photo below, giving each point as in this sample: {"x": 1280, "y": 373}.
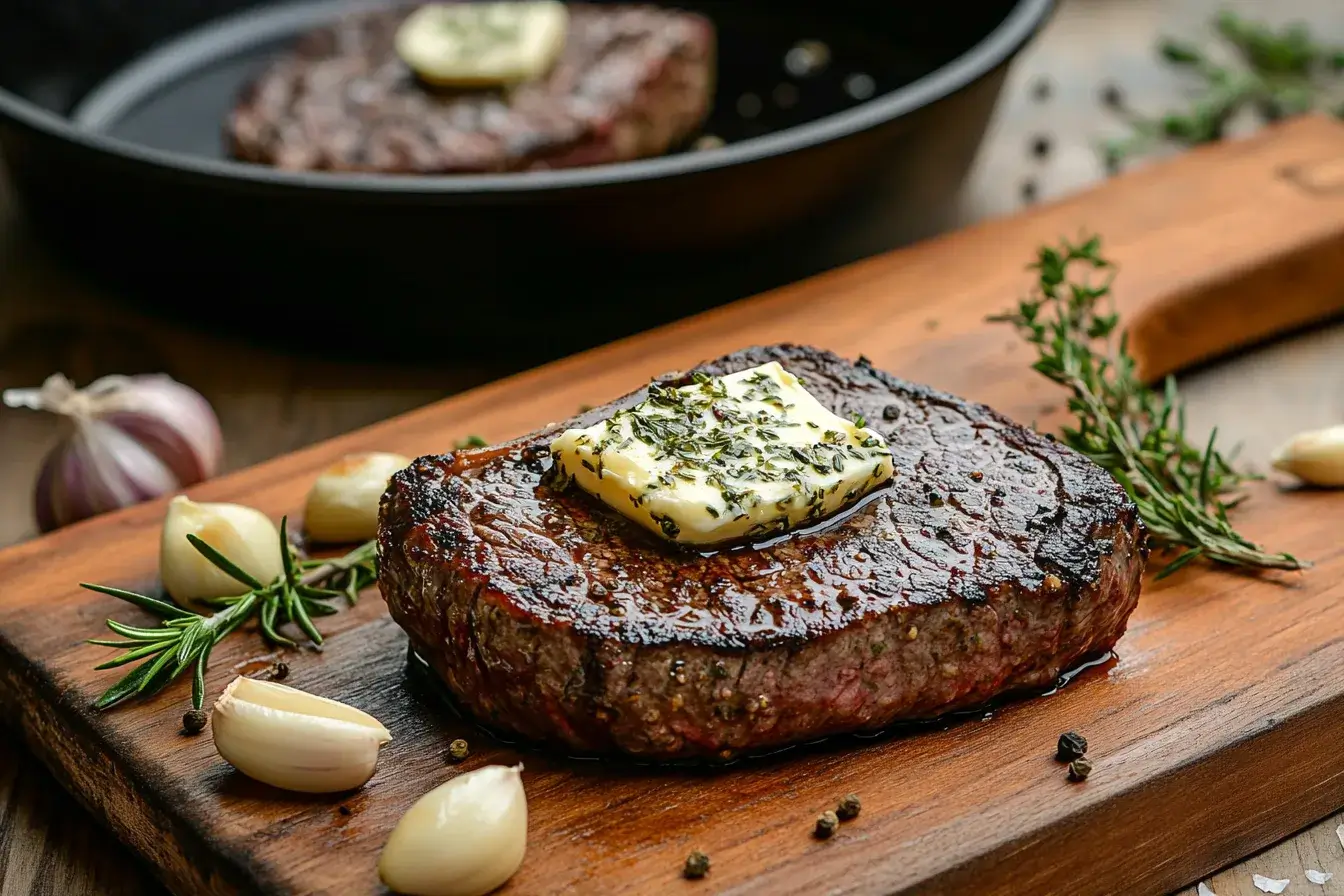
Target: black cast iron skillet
{"x": 110, "y": 124}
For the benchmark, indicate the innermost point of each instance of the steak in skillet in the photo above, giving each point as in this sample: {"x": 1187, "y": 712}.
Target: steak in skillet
{"x": 632, "y": 82}
{"x": 994, "y": 561}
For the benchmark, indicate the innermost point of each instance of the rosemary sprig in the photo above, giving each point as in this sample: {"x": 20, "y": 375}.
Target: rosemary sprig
{"x": 183, "y": 640}
{"x": 1280, "y": 73}
{"x": 1136, "y": 433}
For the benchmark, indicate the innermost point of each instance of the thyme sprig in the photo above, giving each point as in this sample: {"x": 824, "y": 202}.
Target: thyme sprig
{"x": 1136, "y": 433}
{"x": 183, "y": 639}
{"x": 1280, "y": 73}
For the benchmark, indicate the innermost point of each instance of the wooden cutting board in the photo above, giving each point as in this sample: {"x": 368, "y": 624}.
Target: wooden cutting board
{"x": 1216, "y": 731}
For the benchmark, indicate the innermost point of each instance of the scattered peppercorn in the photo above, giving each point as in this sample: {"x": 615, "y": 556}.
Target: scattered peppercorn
{"x": 1041, "y": 146}
{"x": 1112, "y": 96}
{"x": 1071, "y": 746}
{"x": 1041, "y": 90}
{"x": 1080, "y": 768}
{"x": 1029, "y": 190}
{"x": 344, "y": 810}
{"x": 697, "y": 866}
{"x": 848, "y": 808}
{"x": 194, "y": 721}
{"x": 891, "y": 412}
{"x": 280, "y": 671}
{"x": 458, "y": 750}
{"x": 827, "y": 822}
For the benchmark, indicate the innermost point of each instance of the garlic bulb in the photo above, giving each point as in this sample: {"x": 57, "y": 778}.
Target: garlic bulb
{"x": 134, "y": 438}
{"x": 244, "y": 535}
{"x": 463, "y": 838}
{"x": 343, "y": 503}
{"x": 295, "y": 740}
{"x": 1315, "y": 457}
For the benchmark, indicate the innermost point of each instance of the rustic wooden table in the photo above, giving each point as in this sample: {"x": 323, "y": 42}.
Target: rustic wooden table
{"x": 270, "y": 403}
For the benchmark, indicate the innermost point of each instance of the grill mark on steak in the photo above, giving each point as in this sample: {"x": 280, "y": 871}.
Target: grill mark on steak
{"x": 631, "y": 82}
{"x": 550, "y": 614}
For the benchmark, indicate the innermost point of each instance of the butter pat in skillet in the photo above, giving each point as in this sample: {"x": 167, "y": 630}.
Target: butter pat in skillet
{"x": 743, "y": 456}
{"x": 483, "y": 44}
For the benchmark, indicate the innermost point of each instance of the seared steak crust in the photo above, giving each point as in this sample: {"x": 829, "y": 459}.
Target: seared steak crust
{"x": 632, "y": 81}
{"x": 995, "y": 561}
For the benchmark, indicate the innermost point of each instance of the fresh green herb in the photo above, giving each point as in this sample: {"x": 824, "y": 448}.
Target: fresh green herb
{"x": 1280, "y": 73}
{"x": 1137, "y": 434}
{"x": 183, "y": 640}
{"x": 471, "y": 442}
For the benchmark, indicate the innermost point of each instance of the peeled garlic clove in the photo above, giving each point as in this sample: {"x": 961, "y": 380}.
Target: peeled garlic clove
{"x": 295, "y": 740}
{"x": 1315, "y": 457}
{"x": 463, "y": 838}
{"x": 243, "y": 534}
{"x": 343, "y": 503}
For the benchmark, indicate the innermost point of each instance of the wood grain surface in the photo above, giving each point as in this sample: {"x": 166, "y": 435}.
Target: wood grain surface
{"x": 1228, "y": 687}
{"x": 273, "y": 402}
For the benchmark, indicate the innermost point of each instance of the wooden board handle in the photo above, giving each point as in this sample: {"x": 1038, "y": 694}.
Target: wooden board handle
{"x": 1245, "y": 242}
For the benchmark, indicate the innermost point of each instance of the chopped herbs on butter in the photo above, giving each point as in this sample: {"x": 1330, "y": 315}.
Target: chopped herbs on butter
{"x": 747, "y": 455}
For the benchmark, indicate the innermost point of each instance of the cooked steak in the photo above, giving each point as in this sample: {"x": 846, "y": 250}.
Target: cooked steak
{"x": 632, "y": 81}
{"x": 996, "y": 560}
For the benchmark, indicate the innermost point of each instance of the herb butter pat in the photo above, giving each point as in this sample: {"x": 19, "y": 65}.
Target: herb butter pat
{"x": 484, "y": 43}
{"x": 747, "y": 455}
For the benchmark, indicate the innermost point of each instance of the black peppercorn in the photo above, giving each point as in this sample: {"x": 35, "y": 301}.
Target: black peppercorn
{"x": 1071, "y": 746}
{"x": 1112, "y": 97}
{"x": 458, "y": 750}
{"x": 280, "y": 671}
{"x": 194, "y": 721}
{"x": 891, "y": 412}
{"x": 1080, "y": 768}
{"x": 1040, "y": 146}
{"x": 697, "y": 866}
{"x": 827, "y": 822}
{"x": 1029, "y": 190}
{"x": 344, "y": 810}
{"x": 1041, "y": 90}
{"x": 848, "y": 808}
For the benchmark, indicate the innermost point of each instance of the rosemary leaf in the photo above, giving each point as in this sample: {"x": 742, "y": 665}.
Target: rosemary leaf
{"x": 224, "y": 564}
{"x": 1138, "y": 435}
{"x": 143, "y": 601}
{"x": 132, "y": 655}
{"x": 141, "y": 634}
{"x": 198, "y": 681}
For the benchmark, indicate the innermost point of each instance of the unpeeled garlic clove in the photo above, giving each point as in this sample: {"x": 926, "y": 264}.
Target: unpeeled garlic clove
{"x": 133, "y": 438}
{"x": 343, "y": 503}
{"x": 243, "y": 534}
{"x": 295, "y": 740}
{"x": 463, "y": 838}
{"x": 1316, "y": 457}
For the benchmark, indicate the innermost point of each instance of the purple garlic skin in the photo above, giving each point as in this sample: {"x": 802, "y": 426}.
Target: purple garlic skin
{"x": 132, "y": 439}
